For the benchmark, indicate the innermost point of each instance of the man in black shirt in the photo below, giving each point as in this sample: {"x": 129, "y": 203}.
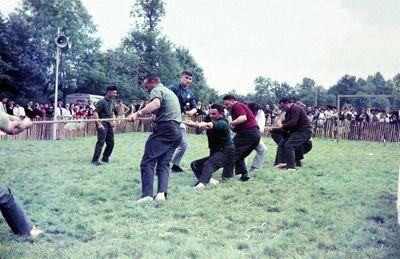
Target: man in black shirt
{"x": 298, "y": 126}
{"x": 105, "y": 110}
{"x": 220, "y": 144}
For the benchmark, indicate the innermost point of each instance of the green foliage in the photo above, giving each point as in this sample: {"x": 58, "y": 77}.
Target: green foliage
{"x": 307, "y": 92}
{"x": 30, "y": 49}
{"x": 148, "y": 14}
{"x": 27, "y": 52}
{"x": 340, "y": 204}
{"x": 122, "y": 69}
{"x": 157, "y": 54}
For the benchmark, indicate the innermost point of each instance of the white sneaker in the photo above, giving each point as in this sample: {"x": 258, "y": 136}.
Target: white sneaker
{"x": 160, "y": 196}
{"x": 145, "y": 199}
{"x": 213, "y": 181}
{"x": 291, "y": 169}
{"x": 35, "y": 232}
{"x": 251, "y": 171}
{"x": 281, "y": 165}
{"x": 199, "y": 186}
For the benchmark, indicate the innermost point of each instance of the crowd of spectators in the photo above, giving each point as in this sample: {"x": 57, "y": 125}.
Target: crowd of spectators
{"x": 45, "y": 111}
{"x": 78, "y": 110}
{"x": 318, "y": 116}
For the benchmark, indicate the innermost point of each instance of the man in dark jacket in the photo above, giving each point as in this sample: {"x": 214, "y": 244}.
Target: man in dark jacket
{"x": 298, "y": 126}
{"x": 187, "y": 102}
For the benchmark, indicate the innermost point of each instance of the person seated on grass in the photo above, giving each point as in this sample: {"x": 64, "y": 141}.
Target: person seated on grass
{"x": 220, "y": 144}
{"x": 300, "y": 132}
{"x": 11, "y": 209}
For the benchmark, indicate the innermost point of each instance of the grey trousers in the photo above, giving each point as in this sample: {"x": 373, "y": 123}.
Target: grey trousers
{"x": 157, "y": 155}
{"x": 180, "y": 151}
{"x": 13, "y": 213}
{"x": 261, "y": 150}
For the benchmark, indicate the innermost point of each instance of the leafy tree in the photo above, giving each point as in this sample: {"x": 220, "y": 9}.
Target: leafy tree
{"x": 121, "y": 68}
{"x": 186, "y": 61}
{"x": 281, "y": 90}
{"x": 21, "y": 56}
{"x": 306, "y": 92}
{"x": 31, "y": 32}
{"x": 264, "y": 90}
{"x": 157, "y": 54}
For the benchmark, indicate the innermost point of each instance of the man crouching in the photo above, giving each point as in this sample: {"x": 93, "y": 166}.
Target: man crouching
{"x": 220, "y": 144}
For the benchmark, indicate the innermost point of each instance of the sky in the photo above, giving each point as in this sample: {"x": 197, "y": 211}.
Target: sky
{"x": 235, "y": 41}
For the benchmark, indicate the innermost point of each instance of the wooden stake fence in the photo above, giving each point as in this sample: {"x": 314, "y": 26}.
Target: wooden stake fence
{"x": 342, "y": 130}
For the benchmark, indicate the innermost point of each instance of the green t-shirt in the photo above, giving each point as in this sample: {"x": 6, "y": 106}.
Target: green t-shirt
{"x": 170, "y": 109}
{"x": 219, "y": 137}
{"x": 3, "y": 120}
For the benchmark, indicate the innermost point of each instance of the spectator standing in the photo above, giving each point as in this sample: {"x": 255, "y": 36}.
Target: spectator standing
{"x": 37, "y": 111}
{"x": 10, "y": 108}
{"x": 121, "y": 109}
{"x": 3, "y": 104}
{"x": 19, "y": 111}
{"x": 29, "y": 110}
{"x": 133, "y": 107}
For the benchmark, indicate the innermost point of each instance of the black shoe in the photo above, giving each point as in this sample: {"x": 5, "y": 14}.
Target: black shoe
{"x": 176, "y": 169}
{"x": 245, "y": 177}
{"x": 105, "y": 161}
{"x": 96, "y": 163}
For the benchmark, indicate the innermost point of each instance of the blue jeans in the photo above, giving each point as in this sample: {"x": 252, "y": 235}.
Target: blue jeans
{"x": 180, "y": 151}
{"x": 13, "y": 213}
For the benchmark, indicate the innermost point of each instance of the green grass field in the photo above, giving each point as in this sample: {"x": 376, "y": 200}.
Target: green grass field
{"x": 341, "y": 203}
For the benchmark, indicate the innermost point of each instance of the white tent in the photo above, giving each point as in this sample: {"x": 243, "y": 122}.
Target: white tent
{"x": 73, "y": 98}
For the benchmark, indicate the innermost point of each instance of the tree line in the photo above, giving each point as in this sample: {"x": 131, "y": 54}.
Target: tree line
{"x": 27, "y": 53}
{"x": 27, "y": 60}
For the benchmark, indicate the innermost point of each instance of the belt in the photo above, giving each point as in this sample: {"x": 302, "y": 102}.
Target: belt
{"x": 172, "y": 122}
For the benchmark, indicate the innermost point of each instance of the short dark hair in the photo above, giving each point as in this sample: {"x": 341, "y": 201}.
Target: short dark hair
{"x": 186, "y": 73}
{"x": 111, "y": 88}
{"x": 152, "y": 77}
{"x": 285, "y": 100}
{"x": 254, "y": 108}
{"x": 229, "y": 97}
{"x": 219, "y": 107}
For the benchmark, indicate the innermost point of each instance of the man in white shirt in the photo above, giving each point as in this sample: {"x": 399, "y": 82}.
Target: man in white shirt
{"x": 19, "y": 111}
{"x": 261, "y": 149}
{"x": 3, "y": 104}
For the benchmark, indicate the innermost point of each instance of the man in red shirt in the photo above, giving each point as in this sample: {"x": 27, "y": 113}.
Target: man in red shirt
{"x": 247, "y": 135}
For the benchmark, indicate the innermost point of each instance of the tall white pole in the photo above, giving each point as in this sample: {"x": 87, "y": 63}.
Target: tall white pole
{"x": 56, "y": 89}
{"x": 316, "y": 97}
